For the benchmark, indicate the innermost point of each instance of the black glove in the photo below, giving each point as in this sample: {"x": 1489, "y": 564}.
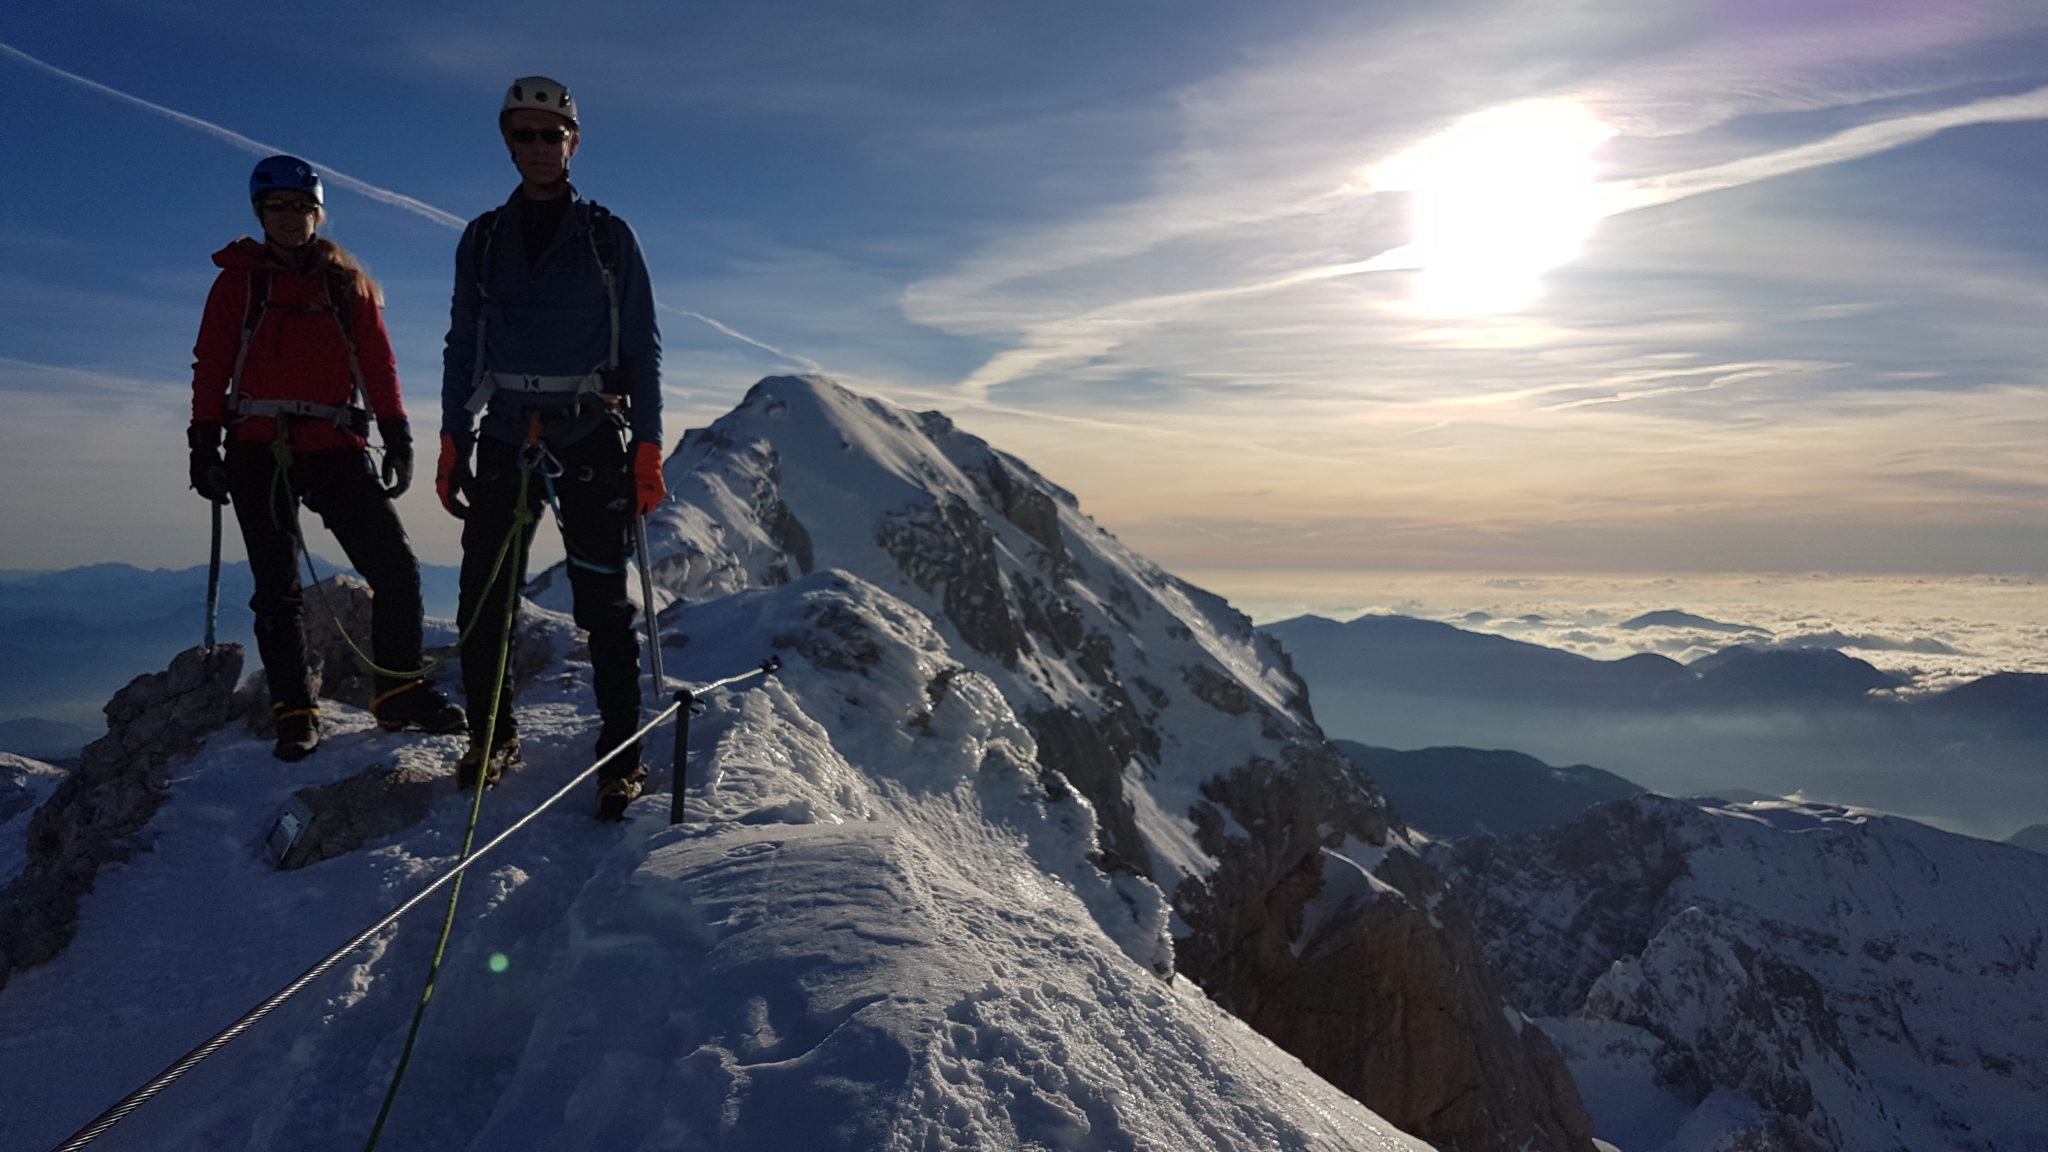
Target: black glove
{"x": 397, "y": 455}
{"x": 209, "y": 469}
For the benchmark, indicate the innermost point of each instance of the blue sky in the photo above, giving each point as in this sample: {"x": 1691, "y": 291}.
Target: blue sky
{"x": 1499, "y": 286}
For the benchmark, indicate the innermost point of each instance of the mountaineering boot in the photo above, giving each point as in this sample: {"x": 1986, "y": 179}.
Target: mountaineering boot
{"x": 474, "y": 765}
{"x": 416, "y": 706}
{"x": 614, "y": 793}
{"x": 298, "y": 732}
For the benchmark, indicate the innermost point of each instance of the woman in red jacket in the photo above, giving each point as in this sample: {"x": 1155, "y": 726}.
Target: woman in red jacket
{"x": 291, "y": 366}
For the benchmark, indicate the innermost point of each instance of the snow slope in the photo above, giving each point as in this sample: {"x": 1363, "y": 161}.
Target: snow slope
{"x": 881, "y": 929}
{"x": 1836, "y": 978}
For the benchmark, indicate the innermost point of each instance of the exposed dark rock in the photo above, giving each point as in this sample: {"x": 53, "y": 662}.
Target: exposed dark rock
{"x": 1092, "y": 759}
{"x": 348, "y": 814}
{"x": 789, "y": 535}
{"x": 1632, "y": 852}
{"x": 840, "y": 639}
{"x": 1223, "y": 693}
{"x": 1049, "y": 615}
{"x": 1027, "y": 506}
{"x": 97, "y": 815}
{"x": 1389, "y": 998}
{"x": 946, "y": 549}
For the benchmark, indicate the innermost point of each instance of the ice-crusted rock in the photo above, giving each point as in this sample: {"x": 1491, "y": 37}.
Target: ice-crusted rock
{"x": 97, "y": 815}
{"x": 1850, "y": 980}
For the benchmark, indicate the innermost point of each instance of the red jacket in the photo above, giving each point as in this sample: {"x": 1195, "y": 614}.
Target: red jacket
{"x": 296, "y": 352}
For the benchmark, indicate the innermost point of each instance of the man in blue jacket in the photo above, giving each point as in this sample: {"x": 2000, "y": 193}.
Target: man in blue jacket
{"x": 552, "y": 375}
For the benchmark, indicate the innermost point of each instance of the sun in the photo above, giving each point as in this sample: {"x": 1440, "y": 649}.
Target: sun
{"x": 1499, "y": 198}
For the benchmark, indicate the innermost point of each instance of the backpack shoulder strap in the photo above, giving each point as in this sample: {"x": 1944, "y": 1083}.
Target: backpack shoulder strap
{"x": 482, "y": 233}
{"x": 604, "y": 244}
{"x": 341, "y": 296}
{"x": 252, "y": 316}
{"x": 603, "y": 239}
{"x": 341, "y": 299}
{"x": 480, "y": 251}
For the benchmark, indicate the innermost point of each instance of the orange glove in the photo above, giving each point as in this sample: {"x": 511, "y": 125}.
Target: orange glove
{"x": 451, "y": 476}
{"x": 648, "y": 490}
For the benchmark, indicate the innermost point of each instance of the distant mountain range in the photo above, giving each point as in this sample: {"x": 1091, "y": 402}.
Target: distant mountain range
{"x": 1775, "y": 721}
{"x": 1451, "y": 792}
{"x": 70, "y": 637}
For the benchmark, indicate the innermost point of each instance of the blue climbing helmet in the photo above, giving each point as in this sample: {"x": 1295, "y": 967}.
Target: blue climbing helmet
{"x": 285, "y": 174}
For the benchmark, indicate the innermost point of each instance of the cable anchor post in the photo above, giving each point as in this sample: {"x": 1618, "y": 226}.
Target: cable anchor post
{"x": 686, "y": 702}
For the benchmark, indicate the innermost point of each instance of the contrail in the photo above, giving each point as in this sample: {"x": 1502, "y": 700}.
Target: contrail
{"x": 803, "y": 361}
{"x": 257, "y": 147}
{"x": 411, "y": 204}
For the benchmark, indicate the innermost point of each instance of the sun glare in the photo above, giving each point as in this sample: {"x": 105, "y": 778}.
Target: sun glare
{"x": 1500, "y": 198}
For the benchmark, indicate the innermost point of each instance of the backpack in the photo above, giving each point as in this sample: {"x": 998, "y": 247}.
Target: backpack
{"x": 341, "y": 297}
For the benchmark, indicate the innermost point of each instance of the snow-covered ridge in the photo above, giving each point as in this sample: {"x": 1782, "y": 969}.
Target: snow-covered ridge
{"x": 1183, "y": 727}
{"x": 876, "y": 932}
{"x": 1160, "y": 678}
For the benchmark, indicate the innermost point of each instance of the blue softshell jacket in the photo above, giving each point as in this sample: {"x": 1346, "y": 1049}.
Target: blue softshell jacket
{"x": 552, "y": 320}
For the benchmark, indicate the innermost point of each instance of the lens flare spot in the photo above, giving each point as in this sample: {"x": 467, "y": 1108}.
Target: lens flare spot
{"x": 500, "y": 962}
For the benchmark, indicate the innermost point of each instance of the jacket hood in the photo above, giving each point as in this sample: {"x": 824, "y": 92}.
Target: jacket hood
{"x": 248, "y": 253}
{"x": 242, "y": 255}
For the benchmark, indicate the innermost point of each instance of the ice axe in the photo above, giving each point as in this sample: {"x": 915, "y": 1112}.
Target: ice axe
{"x": 658, "y": 681}
{"x": 213, "y": 580}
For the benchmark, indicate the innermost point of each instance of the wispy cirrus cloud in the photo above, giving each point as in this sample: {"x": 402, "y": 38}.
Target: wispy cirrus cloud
{"x": 1234, "y": 200}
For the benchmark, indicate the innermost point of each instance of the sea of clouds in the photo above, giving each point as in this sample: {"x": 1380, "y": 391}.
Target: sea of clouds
{"x": 1937, "y": 630}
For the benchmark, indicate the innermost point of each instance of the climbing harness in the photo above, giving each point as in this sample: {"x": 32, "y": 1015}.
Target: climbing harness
{"x": 484, "y": 384}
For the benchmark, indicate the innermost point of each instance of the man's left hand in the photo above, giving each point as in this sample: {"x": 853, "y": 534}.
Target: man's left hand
{"x": 648, "y": 489}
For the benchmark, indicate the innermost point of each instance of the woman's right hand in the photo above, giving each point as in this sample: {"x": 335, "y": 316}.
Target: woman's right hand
{"x": 209, "y": 470}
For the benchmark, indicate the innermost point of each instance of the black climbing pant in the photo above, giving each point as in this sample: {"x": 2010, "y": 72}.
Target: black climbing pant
{"x": 341, "y": 486}
{"x": 595, "y": 491}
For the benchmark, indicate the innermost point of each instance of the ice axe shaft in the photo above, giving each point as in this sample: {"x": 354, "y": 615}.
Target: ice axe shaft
{"x": 213, "y": 581}
{"x": 657, "y": 680}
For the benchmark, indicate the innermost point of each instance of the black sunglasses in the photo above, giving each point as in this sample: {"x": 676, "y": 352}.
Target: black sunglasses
{"x": 544, "y": 135}
{"x": 304, "y": 206}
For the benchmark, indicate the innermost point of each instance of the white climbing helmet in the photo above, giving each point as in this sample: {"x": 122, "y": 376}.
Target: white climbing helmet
{"x": 542, "y": 95}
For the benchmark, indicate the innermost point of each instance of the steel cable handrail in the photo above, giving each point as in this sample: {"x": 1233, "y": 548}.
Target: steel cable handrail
{"x": 136, "y": 1099}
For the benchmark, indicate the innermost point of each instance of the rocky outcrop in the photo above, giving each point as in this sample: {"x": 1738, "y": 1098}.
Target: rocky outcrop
{"x": 1320, "y": 929}
{"x": 946, "y": 549}
{"x": 347, "y": 814}
{"x": 97, "y": 816}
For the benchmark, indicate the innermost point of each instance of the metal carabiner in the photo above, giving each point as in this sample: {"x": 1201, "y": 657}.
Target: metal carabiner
{"x": 536, "y": 458}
